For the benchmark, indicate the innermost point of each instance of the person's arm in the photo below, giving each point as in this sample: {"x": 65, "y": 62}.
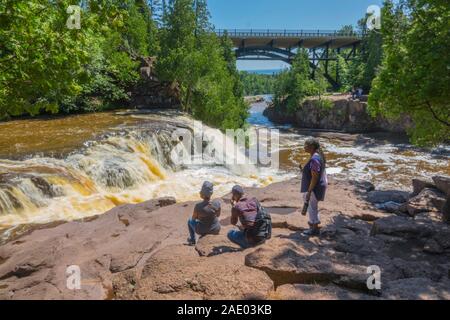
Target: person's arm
{"x": 195, "y": 214}
{"x": 234, "y": 216}
{"x": 313, "y": 184}
{"x": 218, "y": 209}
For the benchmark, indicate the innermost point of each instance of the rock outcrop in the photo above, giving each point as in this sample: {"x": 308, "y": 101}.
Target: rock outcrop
{"x": 344, "y": 115}
{"x": 138, "y": 252}
{"x": 150, "y": 92}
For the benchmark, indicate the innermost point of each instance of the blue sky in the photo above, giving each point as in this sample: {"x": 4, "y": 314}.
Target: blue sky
{"x": 285, "y": 14}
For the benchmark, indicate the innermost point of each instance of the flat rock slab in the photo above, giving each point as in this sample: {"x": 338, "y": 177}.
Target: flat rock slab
{"x": 219, "y": 277}
{"x": 317, "y": 292}
{"x": 211, "y": 245}
{"x": 402, "y": 227}
{"x": 286, "y": 262}
{"x": 417, "y": 289}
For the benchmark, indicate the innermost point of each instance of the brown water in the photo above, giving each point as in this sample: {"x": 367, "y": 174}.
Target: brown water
{"x": 56, "y": 136}
{"x": 79, "y": 166}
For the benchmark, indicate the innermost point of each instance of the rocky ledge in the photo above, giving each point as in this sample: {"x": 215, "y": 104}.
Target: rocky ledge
{"x": 137, "y": 251}
{"x": 344, "y": 115}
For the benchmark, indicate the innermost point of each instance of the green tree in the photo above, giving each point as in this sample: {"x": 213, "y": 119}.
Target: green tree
{"x": 257, "y": 84}
{"x": 230, "y": 59}
{"x": 414, "y": 78}
{"x": 47, "y": 67}
{"x": 41, "y": 60}
{"x": 194, "y": 58}
{"x": 362, "y": 68}
{"x": 295, "y": 85}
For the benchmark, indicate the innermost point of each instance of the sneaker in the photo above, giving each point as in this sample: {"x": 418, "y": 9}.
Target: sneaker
{"x": 190, "y": 242}
{"x": 311, "y": 233}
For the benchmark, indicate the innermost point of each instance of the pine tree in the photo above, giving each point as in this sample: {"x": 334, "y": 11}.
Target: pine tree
{"x": 202, "y": 17}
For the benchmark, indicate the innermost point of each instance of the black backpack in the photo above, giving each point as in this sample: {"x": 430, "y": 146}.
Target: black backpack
{"x": 262, "y": 229}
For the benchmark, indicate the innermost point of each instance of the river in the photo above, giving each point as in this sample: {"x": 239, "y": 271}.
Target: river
{"x": 78, "y": 166}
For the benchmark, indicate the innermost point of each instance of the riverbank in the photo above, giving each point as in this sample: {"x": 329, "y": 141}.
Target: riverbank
{"x": 342, "y": 114}
{"x": 137, "y": 252}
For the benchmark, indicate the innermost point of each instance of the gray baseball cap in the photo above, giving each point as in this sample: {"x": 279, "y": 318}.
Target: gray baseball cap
{"x": 238, "y": 190}
{"x": 207, "y": 189}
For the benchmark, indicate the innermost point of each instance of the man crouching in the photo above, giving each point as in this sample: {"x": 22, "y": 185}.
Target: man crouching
{"x": 256, "y": 223}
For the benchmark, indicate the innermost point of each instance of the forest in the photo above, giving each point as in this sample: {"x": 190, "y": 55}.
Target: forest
{"x": 47, "y": 67}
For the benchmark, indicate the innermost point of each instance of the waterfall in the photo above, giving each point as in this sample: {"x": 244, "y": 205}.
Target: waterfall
{"x": 131, "y": 165}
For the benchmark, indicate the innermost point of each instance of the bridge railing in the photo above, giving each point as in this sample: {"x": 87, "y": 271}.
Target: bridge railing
{"x": 270, "y": 33}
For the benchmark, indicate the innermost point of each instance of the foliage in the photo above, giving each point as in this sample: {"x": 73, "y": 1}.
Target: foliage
{"x": 294, "y": 85}
{"x": 201, "y": 64}
{"x": 257, "y": 84}
{"x": 414, "y": 78}
{"x": 361, "y": 70}
{"x": 47, "y": 67}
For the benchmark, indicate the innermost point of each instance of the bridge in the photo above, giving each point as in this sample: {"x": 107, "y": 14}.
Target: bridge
{"x": 323, "y": 45}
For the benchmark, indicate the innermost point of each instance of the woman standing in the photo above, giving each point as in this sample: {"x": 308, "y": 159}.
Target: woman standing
{"x": 314, "y": 184}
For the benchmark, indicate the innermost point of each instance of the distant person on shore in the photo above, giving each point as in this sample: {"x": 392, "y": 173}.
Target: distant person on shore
{"x": 314, "y": 185}
{"x": 353, "y": 93}
{"x": 256, "y": 223}
{"x": 359, "y": 93}
{"x": 205, "y": 219}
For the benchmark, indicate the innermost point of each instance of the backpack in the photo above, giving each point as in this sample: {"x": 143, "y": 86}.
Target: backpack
{"x": 262, "y": 229}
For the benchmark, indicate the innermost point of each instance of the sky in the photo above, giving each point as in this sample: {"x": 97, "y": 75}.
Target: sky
{"x": 285, "y": 14}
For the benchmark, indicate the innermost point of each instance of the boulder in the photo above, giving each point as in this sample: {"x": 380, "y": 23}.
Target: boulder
{"x": 420, "y": 269}
{"x": 442, "y": 237}
{"x": 363, "y": 186}
{"x": 428, "y": 217}
{"x": 212, "y": 245}
{"x": 287, "y": 263}
{"x": 417, "y": 289}
{"x": 362, "y": 246}
{"x": 443, "y": 184}
{"x": 176, "y": 273}
{"x": 428, "y": 200}
{"x": 368, "y": 215}
{"x": 391, "y": 207}
{"x": 433, "y": 247}
{"x": 388, "y": 196}
{"x": 315, "y": 292}
{"x": 402, "y": 227}
{"x": 446, "y": 211}
{"x": 420, "y": 184}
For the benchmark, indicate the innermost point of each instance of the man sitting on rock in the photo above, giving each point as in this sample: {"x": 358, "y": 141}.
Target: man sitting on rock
{"x": 205, "y": 220}
{"x": 256, "y": 223}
